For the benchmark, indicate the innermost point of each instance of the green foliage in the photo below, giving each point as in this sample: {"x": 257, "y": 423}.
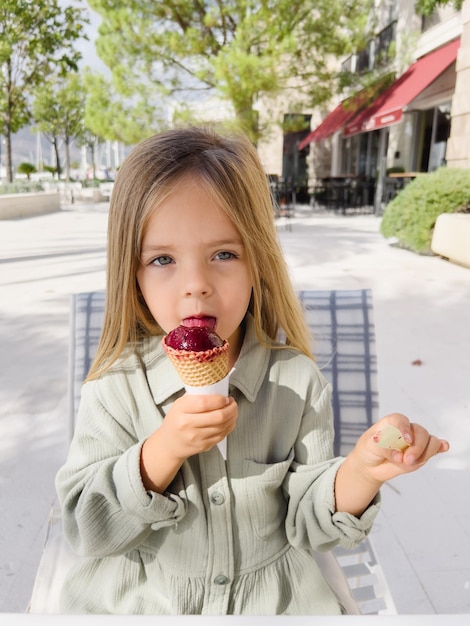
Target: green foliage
{"x": 26, "y": 168}
{"x": 21, "y": 186}
{"x": 36, "y": 39}
{"x": 58, "y": 110}
{"x": 59, "y": 106}
{"x": 411, "y": 215}
{"x": 237, "y": 50}
{"x": 426, "y": 7}
{"x": 51, "y": 169}
{"x": 117, "y": 118}
{"x": 91, "y": 183}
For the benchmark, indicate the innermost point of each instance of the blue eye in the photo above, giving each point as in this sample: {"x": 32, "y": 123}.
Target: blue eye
{"x": 162, "y": 260}
{"x": 225, "y": 256}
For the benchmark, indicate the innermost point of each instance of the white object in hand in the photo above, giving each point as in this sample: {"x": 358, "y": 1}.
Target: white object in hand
{"x": 219, "y": 388}
{"x": 390, "y": 437}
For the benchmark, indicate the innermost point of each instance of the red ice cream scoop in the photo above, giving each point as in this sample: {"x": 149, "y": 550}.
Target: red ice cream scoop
{"x": 196, "y": 339}
{"x": 199, "y": 355}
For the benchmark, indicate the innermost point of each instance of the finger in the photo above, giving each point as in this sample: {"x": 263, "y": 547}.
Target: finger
{"x": 218, "y": 418}
{"x": 444, "y": 447}
{"x": 212, "y": 435}
{"x": 420, "y": 454}
{"x": 199, "y": 403}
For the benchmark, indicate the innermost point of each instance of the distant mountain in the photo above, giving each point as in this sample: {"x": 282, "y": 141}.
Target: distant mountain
{"x": 31, "y": 147}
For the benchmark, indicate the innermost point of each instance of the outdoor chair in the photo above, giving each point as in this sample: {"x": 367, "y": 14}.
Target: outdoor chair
{"x": 344, "y": 345}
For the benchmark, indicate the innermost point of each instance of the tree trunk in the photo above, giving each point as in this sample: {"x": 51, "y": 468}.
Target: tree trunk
{"x": 67, "y": 159}
{"x": 248, "y": 118}
{"x": 93, "y": 159}
{"x": 7, "y": 124}
{"x": 8, "y": 160}
{"x": 57, "y": 158}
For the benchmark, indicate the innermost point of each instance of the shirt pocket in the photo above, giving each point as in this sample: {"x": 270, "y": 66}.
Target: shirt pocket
{"x": 267, "y": 504}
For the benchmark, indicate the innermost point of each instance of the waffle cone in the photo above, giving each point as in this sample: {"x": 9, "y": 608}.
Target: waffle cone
{"x": 199, "y": 369}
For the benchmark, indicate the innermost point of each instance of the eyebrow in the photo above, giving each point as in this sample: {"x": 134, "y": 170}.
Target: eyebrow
{"x": 216, "y": 244}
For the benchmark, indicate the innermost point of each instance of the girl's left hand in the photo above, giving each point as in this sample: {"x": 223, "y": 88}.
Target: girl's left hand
{"x": 382, "y": 464}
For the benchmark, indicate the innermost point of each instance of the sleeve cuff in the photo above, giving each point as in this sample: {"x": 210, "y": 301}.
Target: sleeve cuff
{"x": 159, "y": 510}
{"x": 349, "y": 529}
{"x": 354, "y": 529}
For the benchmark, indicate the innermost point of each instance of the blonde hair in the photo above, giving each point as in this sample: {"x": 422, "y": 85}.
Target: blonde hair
{"x": 230, "y": 169}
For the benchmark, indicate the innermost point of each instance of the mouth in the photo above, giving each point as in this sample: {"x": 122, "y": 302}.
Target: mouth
{"x": 200, "y": 321}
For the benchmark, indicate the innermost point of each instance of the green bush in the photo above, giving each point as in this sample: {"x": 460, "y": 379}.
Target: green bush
{"x": 411, "y": 215}
{"x": 21, "y": 186}
{"x": 26, "y": 168}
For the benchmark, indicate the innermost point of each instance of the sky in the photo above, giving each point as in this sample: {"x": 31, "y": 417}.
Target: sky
{"x": 87, "y": 47}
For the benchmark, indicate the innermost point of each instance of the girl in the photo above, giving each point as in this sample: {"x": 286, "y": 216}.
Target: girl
{"x": 167, "y": 525}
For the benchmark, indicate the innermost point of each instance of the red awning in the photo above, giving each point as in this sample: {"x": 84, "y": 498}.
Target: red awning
{"x": 389, "y": 106}
{"x": 344, "y": 112}
{"x": 332, "y": 122}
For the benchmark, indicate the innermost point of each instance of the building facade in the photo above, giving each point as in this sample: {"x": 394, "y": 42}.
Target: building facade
{"x": 458, "y": 146}
{"x": 415, "y": 119}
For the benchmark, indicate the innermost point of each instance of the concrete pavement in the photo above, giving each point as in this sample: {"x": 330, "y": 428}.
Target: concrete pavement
{"x": 422, "y": 313}
{"x": 43, "y": 260}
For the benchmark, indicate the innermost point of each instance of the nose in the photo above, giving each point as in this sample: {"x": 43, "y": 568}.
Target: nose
{"x": 196, "y": 281}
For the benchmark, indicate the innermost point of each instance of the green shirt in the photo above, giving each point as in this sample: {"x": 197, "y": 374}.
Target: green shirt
{"x": 228, "y": 537}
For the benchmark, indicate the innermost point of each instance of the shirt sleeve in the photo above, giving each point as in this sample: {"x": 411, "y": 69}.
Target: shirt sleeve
{"x": 106, "y": 508}
{"x": 312, "y": 520}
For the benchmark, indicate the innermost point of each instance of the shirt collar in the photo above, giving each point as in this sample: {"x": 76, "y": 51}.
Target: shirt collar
{"x": 247, "y": 375}
{"x": 252, "y": 363}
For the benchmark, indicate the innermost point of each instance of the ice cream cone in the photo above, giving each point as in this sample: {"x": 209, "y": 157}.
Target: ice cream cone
{"x": 203, "y": 371}
{"x": 200, "y": 369}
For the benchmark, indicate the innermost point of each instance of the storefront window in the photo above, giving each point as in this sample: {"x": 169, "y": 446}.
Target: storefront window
{"x": 359, "y": 155}
{"x": 435, "y": 131}
{"x": 294, "y": 161}
{"x": 441, "y": 135}
{"x": 349, "y": 155}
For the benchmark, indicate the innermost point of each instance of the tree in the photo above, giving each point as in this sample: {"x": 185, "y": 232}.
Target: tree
{"x": 241, "y": 50}
{"x": 26, "y": 168}
{"x": 110, "y": 116}
{"x": 36, "y": 38}
{"x": 426, "y": 7}
{"x": 91, "y": 142}
{"x": 51, "y": 169}
{"x": 59, "y": 109}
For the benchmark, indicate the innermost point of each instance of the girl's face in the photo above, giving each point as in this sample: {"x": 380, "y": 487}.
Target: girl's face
{"x": 193, "y": 266}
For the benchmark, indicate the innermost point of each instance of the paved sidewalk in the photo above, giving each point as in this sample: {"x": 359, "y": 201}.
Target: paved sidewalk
{"x": 422, "y": 313}
{"x": 43, "y": 260}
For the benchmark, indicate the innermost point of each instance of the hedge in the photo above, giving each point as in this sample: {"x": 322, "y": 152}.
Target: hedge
{"x": 411, "y": 215}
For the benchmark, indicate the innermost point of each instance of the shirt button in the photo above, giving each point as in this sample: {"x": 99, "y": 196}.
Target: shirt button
{"x": 221, "y": 580}
{"x": 217, "y": 498}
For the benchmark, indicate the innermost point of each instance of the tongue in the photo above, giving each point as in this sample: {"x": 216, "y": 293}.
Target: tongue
{"x": 200, "y": 322}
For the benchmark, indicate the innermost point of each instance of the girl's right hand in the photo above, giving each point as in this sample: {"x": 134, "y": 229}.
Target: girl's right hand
{"x": 195, "y": 423}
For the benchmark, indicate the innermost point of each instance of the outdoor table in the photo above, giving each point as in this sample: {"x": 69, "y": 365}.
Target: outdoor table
{"x": 396, "y": 181}
{"x": 406, "y": 174}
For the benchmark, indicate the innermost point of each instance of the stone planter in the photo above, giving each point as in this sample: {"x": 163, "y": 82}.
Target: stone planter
{"x": 77, "y": 193}
{"x": 451, "y": 237}
{"x": 17, "y": 205}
